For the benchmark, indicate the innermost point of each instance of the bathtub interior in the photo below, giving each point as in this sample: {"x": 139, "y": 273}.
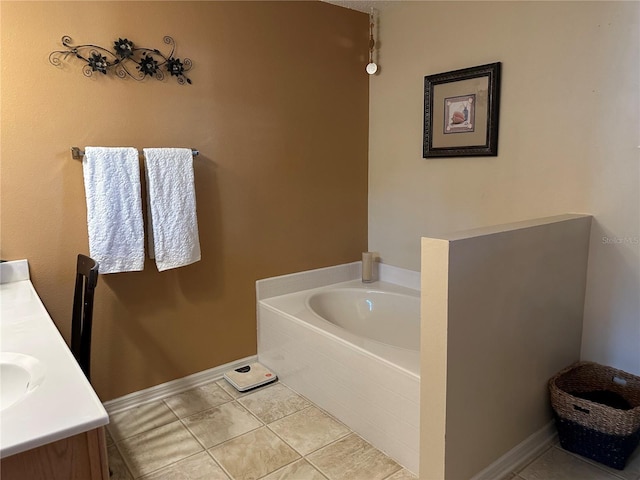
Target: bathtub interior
{"x": 378, "y": 314}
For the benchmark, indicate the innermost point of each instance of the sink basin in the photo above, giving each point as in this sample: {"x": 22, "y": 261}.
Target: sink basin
{"x": 19, "y": 375}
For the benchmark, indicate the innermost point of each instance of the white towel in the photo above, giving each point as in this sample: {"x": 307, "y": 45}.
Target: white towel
{"x": 173, "y": 225}
{"x": 114, "y": 208}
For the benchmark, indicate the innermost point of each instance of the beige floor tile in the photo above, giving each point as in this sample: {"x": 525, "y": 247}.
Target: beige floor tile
{"x": 300, "y": 470}
{"x": 631, "y": 470}
{"x": 254, "y": 454}
{"x": 353, "y": 459}
{"x": 221, "y": 423}
{"x": 139, "y": 419}
{"x": 108, "y": 436}
{"x": 198, "y": 467}
{"x": 309, "y": 429}
{"x": 157, "y": 448}
{"x": 197, "y": 399}
{"x": 227, "y": 387}
{"x": 403, "y": 474}
{"x": 556, "y": 464}
{"x": 273, "y": 402}
{"x": 117, "y": 467}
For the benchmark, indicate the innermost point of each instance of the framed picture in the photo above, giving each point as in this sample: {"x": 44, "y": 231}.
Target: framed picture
{"x": 461, "y": 112}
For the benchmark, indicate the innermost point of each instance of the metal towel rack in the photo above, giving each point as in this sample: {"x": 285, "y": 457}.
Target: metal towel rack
{"x": 77, "y": 154}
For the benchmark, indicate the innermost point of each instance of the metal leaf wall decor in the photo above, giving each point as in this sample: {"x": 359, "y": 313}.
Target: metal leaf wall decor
{"x": 125, "y": 60}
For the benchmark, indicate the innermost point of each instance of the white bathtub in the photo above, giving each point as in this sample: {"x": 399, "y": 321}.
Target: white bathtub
{"x": 352, "y": 349}
{"x": 374, "y": 312}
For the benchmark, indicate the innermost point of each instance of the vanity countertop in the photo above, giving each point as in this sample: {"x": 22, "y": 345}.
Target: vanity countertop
{"x": 63, "y": 403}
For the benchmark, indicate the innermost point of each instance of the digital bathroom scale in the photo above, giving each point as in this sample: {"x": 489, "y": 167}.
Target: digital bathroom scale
{"x": 250, "y": 376}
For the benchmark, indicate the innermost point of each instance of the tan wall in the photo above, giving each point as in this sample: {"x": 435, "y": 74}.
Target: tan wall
{"x": 569, "y": 123}
{"x": 502, "y": 313}
{"x": 278, "y": 109}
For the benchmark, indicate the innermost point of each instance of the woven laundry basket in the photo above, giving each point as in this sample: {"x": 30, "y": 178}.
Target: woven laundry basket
{"x": 606, "y": 430}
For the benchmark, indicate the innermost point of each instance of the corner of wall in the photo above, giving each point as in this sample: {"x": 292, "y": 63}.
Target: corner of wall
{"x": 433, "y": 356}
{"x": 502, "y": 312}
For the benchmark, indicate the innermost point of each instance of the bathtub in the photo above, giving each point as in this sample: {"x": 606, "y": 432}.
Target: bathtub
{"x": 373, "y": 312}
{"x": 353, "y": 350}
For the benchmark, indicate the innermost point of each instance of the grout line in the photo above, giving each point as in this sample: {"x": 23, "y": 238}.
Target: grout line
{"x": 593, "y": 463}
{"x": 285, "y": 442}
{"x": 193, "y": 435}
{"x": 309, "y": 404}
{"x": 207, "y": 449}
{"x": 261, "y": 424}
{"x": 168, "y": 465}
{"x": 400, "y": 467}
{"x": 534, "y": 459}
{"x": 248, "y": 410}
{"x": 233, "y": 438}
{"x": 392, "y": 474}
{"x": 124, "y": 461}
{"x": 304, "y": 455}
{"x": 129, "y": 467}
{"x": 318, "y": 468}
{"x": 283, "y": 466}
{"x": 219, "y": 464}
{"x": 231, "y": 399}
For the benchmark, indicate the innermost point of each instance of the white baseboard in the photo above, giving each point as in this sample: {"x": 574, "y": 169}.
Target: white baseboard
{"x": 173, "y": 387}
{"x": 520, "y": 455}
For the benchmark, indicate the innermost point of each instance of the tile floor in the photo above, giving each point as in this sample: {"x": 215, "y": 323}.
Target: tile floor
{"x": 558, "y": 464}
{"x": 215, "y": 433}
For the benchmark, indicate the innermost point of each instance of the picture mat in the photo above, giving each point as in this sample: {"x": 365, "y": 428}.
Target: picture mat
{"x": 478, "y": 86}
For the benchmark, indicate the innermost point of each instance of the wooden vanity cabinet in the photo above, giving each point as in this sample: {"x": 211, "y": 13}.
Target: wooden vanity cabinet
{"x": 80, "y": 457}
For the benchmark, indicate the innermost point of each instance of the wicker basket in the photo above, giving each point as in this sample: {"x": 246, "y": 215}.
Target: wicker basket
{"x": 595, "y": 430}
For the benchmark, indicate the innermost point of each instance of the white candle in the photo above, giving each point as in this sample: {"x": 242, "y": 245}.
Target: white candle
{"x": 368, "y": 266}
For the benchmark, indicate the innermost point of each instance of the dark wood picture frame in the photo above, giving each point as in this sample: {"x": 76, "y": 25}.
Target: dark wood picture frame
{"x": 461, "y": 112}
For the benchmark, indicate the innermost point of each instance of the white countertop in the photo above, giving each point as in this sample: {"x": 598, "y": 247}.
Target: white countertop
{"x": 64, "y": 404}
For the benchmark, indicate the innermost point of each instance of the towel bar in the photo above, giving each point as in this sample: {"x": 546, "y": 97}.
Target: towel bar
{"x": 77, "y": 154}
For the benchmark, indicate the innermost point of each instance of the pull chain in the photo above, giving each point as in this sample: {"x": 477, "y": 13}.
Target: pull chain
{"x": 371, "y": 66}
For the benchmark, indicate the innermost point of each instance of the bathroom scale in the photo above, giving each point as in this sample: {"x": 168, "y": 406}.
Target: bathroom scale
{"x": 250, "y": 376}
